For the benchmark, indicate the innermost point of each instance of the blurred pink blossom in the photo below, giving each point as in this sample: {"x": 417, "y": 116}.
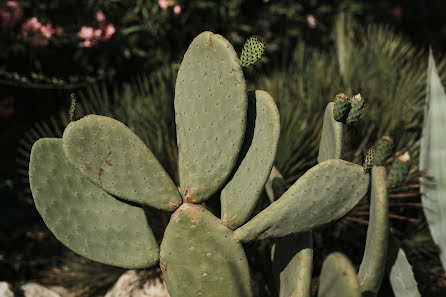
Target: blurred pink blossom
{"x": 109, "y": 31}
{"x": 85, "y": 32}
{"x": 177, "y": 9}
{"x": 6, "y": 106}
{"x": 38, "y": 32}
{"x": 311, "y": 20}
{"x": 100, "y": 17}
{"x": 397, "y": 13}
{"x": 163, "y": 4}
{"x": 10, "y": 14}
{"x": 59, "y": 30}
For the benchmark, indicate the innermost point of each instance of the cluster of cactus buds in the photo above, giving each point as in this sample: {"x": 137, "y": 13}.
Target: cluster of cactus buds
{"x": 348, "y": 110}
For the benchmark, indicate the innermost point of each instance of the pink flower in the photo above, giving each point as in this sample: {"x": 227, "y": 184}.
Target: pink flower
{"x": 100, "y": 17}
{"x": 6, "y": 107}
{"x": 12, "y": 4}
{"x": 163, "y": 4}
{"x": 10, "y": 14}
{"x": 177, "y": 9}
{"x": 397, "y": 13}
{"x": 311, "y": 20}
{"x": 109, "y": 31}
{"x": 47, "y": 30}
{"x": 58, "y": 30}
{"x": 97, "y": 33}
{"x": 86, "y": 32}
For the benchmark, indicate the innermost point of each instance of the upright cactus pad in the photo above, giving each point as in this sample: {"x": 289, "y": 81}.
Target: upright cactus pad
{"x": 332, "y": 139}
{"x": 383, "y": 150}
{"x": 371, "y": 271}
{"x": 240, "y": 195}
{"x": 357, "y": 105}
{"x": 338, "y": 277}
{"x": 253, "y": 50}
{"x": 399, "y": 170}
{"x": 341, "y": 107}
{"x": 201, "y": 257}
{"x": 110, "y": 155}
{"x": 85, "y": 218}
{"x": 210, "y": 115}
{"x": 323, "y": 194}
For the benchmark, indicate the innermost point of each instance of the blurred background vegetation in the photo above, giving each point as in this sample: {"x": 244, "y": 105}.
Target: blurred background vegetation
{"x": 121, "y": 56}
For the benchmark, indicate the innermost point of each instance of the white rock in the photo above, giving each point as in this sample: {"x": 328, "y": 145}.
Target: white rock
{"x": 129, "y": 285}
{"x": 5, "y": 290}
{"x": 36, "y": 290}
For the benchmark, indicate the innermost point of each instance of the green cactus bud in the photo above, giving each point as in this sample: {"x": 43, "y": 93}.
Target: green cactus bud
{"x": 357, "y": 105}
{"x": 383, "y": 149}
{"x": 368, "y": 162}
{"x": 341, "y": 107}
{"x": 253, "y": 50}
{"x": 398, "y": 172}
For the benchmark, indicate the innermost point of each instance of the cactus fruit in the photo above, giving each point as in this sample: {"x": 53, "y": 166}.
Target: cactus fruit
{"x": 227, "y": 141}
{"x": 369, "y": 160}
{"x": 398, "y": 172}
{"x": 383, "y": 150}
{"x": 341, "y": 107}
{"x": 253, "y": 50}
{"x": 357, "y": 105}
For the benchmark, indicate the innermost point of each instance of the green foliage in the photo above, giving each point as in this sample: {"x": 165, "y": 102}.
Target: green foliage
{"x": 383, "y": 150}
{"x": 398, "y": 172}
{"x": 369, "y": 160}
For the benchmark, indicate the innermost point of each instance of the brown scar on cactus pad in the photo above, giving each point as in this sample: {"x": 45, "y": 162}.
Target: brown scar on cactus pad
{"x": 107, "y": 159}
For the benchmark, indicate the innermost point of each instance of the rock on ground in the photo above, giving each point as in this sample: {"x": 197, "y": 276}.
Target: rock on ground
{"x": 130, "y": 284}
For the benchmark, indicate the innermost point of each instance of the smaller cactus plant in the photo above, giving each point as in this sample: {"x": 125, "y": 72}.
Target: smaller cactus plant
{"x": 253, "y": 50}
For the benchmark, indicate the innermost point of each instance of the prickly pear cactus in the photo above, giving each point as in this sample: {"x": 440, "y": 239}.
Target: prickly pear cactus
{"x": 357, "y": 105}
{"x": 87, "y": 186}
{"x": 341, "y": 107}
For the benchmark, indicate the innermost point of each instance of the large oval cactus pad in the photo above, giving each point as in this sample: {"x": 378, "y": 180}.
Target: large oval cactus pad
{"x": 110, "y": 155}
{"x": 324, "y": 193}
{"x": 338, "y": 277}
{"x": 332, "y": 139}
{"x": 200, "y": 256}
{"x": 85, "y": 218}
{"x": 240, "y": 195}
{"x": 210, "y": 115}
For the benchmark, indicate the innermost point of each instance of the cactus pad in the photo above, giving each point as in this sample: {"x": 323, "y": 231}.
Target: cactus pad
{"x": 240, "y": 195}
{"x": 325, "y": 193}
{"x": 292, "y": 264}
{"x": 332, "y": 140}
{"x": 84, "y": 217}
{"x": 210, "y": 115}
{"x": 371, "y": 271}
{"x": 200, "y": 256}
{"x": 383, "y": 150}
{"x": 341, "y": 107}
{"x": 252, "y": 51}
{"x": 110, "y": 155}
{"x": 338, "y": 277}
{"x": 357, "y": 105}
